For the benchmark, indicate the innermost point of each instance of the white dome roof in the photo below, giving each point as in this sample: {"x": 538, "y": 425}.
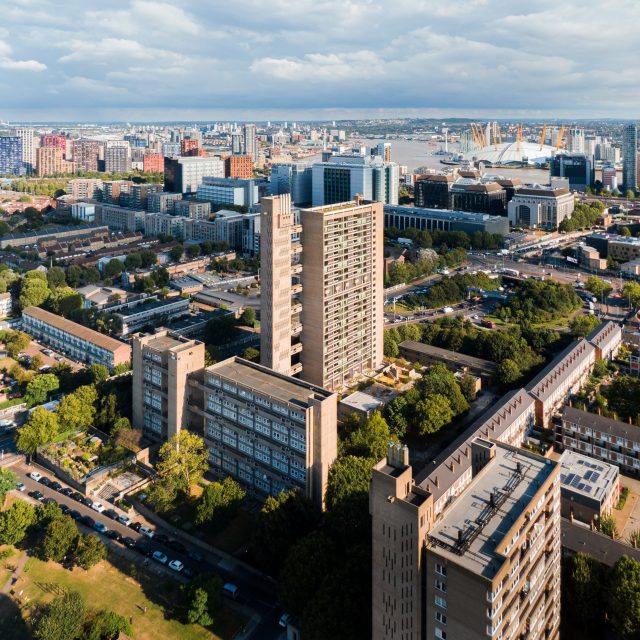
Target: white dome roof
{"x": 512, "y": 152}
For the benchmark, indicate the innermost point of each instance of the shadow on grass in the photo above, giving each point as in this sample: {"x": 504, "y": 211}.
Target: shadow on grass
{"x": 12, "y": 624}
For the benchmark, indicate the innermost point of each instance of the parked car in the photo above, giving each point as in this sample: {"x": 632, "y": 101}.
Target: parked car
{"x": 34, "y": 475}
{"x": 76, "y": 515}
{"x": 195, "y": 555}
{"x": 88, "y": 502}
{"x": 284, "y": 619}
{"x": 45, "y": 481}
{"x": 160, "y": 537}
{"x": 67, "y": 492}
{"x": 37, "y": 495}
{"x": 146, "y": 531}
{"x": 128, "y": 542}
{"x": 231, "y": 590}
{"x": 110, "y": 513}
{"x": 135, "y": 525}
{"x": 176, "y": 545}
{"x": 125, "y": 520}
{"x": 143, "y": 548}
{"x": 77, "y": 496}
{"x": 21, "y": 486}
{"x": 64, "y": 508}
{"x": 87, "y": 521}
{"x": 113, "y": 535}
{"x": 158, "y": 556}
{"x": 49, "y": 501}
{"x": 176, "y": 565}
{"x": 100, "y": 527}
{"x": 56, "y": 486}
{"x": 97, "y": 506}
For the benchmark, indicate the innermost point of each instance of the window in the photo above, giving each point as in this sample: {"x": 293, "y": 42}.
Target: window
{"x": 440, "y": 634}
{"x": 441, "y": 618}
{"x": 441, "y": 569}
{"x": 441, "y": 586}
{"x": 440, "y": 602}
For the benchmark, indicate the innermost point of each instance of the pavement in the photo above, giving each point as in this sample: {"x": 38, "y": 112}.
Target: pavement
{"x": 257, "y": 599}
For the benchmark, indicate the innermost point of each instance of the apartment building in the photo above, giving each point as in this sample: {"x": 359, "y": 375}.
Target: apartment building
{"x": 322, "y": 297}
{"x": 185, "y": 174}
{"x": 162, "y": 202}
{"x": 84, "y": 211}
{"x": 601, "y": 438}
{"x": 28, "y": 148}
{"x": 85, "y": 154}
{"x": 589, "y": 489}
{"x": 228, "y": 191}
{"x": 606, "y": 339}
{"x": 156, "y": 224}
{"x": 6, "y": 304}
{"x": 473, "y": 572}
{"x": 294, "y": 178}
{"x": 78, "y": 342}
{"x": 84, "y": 188}
{"x": 149, "y": 311}
{"x": 270, "y": 431}
{"x": 120, "y": 218}
{"x": 194, "y": 209}
{"x": 238, "y": 167}
{"x": 50, "y": 161}
{"x": 561, "y": 378}
{"x": 117, "y": 158}
{"x": 153, "y": 163}
{"x": 161, "y": 363}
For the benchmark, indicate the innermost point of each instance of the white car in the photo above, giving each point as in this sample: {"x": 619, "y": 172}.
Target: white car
{"x": 34, "y": 475}
{"x": 158, "y": 556}
{"x": 284, "y": 619}
{"x": 96, "y": 506}
{"x": 176, "y": 565}
{"x": 145, "y": 531}
{"x": 125, "y": 520}
{"x": 20, "y": 486}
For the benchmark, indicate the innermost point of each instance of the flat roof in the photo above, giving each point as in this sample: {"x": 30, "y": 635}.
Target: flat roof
{"x": 75, "y": 329}
{"x": 266, "y": 381}
{"x": 362, "y": 401}
{"x": 600, "y": 423}
{"x": 455, "y": 357}
{"x": 588, "y": 477}
{"x": 483, "y": 527}
{"x": 150, "y": 306}
{"x": 441, "y": 214}
{"x": 167, "y": 341}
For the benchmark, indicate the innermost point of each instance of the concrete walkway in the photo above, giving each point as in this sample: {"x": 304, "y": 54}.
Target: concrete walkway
{"x": 16, "y": 574}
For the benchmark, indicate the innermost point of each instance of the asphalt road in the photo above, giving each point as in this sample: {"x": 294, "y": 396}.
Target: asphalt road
{"x": 256, "y": 595}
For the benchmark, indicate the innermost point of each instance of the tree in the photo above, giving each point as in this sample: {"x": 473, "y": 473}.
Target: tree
{"x": 468, "y": 387}
{"x": 8, "y": 482}
{"x": 98, "y": 373}
{"x": 161, "y": 277}
{"x": 16, "y": 341}
{"x": 607, "y": 525}
{"x": 598, "y": 287}
{"x": 390, "y": 345}
{"x": 221, "y": 329}
{"x": 634, "y": 538}
{"x": 89, "y": 551}
{"x": 148, "y": 258}
{"x": 583, "y": 590}
{"x": 77, "y": 410}
{"x": 433, "y": 413}
{"x": 61, "y": 619}
{"x": 396, "y": 415}
{"x": 184, "y": 459}
{"x": 624, "y": 598}
{"x": 252, "y": 354}
{"x": 56, "y": 278}
{"x": 106, "y": 625}
{"x": 194, "y": 250}
{"x": 198, "y": 613}
{"x": 583, "y": 325}
{"x": 91, "y": 275}
{"x": 40, "y": 387}
{"x": 59, "y": 538}
{"x": 508, "y": 372}
{"x": 133, "y": 261}
{"x": 248, "y": 317}
{"x": 439, "y": 380}
{"x": 162, "y": 494}
{"x": 369, "y": 439}
{"x": 15, "y": 521}
{"x": 219, "y": 502}
{"x": 47, "y": 513}
{"x": 113, "y": 268}
{"x": 625, "y": 232}
{"x": 65, "y": 301}
{"x": 348, "y": 475}
{"x": 74, "y": 276}
{"x": 176, "y": 252}
{"x": 41, "y": 428}
{"x": 34, "y": 292}
{"x": 631, "y": 291}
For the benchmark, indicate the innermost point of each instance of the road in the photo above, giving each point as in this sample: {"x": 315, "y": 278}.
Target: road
{"x": 257, "y": 595}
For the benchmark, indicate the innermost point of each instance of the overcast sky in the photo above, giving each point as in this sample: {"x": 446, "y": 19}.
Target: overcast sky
{"x": 269, "y": 59}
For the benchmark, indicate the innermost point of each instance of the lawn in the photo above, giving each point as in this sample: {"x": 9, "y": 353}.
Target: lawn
{"x": 108, "y": 586}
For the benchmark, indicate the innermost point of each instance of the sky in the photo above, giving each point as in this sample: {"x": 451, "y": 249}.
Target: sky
{"x": 90, "y": 61}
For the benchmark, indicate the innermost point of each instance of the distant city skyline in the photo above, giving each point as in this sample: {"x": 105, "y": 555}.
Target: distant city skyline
{"x": 315, "y": 59}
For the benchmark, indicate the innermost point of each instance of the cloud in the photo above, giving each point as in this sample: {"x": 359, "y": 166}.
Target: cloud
{"x": 143, "y": 56}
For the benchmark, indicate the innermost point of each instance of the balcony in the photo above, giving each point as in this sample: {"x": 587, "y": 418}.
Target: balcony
{"x": 296, "y": 269}
{"x": 296, "y": 308}
{"x": 296, "y": 328}
{"x": 296, "y": 288}
{"x": 296, "y": 368}
{"x": 296, "y": 248}
{"x": 296, "y": 348}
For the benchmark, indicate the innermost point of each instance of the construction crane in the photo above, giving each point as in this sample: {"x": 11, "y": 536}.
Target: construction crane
{"x": 542, "y": 136}
{"x": 560, "y": 137}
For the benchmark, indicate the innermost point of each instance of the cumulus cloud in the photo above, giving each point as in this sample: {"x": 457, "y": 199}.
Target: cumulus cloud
{"x": 145, "y": 55}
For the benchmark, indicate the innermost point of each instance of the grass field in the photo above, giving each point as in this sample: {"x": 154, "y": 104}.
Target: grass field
{"x": 107, "y": 586}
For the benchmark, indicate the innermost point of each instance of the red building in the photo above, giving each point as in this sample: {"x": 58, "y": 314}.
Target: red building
{"x": 238, "y": 167}
{"x": 153, "y": 163}
{"x": 54, "y": 141}
{"x": 188, "y": 145}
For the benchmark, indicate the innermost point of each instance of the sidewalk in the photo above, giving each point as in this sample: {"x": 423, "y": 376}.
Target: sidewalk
{"x": 15, "y": 575}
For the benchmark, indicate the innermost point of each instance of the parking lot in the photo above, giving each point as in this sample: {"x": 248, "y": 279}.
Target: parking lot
{"x": 49, "y": 357}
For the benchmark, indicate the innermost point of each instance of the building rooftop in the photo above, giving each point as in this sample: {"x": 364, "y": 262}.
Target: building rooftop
{"x": 166, "y": 341}
{"x": 546, "y": 192}
{"x": 266, "y": 381}
{"x": 442, "y": 214}
{"x": 362, "y": 401}
{"x": 600, "y": 423}
{"x": 459, "y": 359}
{"x": 483, "y": 515}
{"x": 75, "y": 329}
{"x": 580, "y": 474}
{"x": 152, "y": 305}
{"x": 577, "y": 537}
{"x": 605, "y": 333}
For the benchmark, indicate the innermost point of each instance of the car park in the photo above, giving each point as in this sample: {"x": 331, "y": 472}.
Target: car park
{"x": 37, "y": 495}
{"x": 160, "y": 557}
{"x": 21, "y": 486}
{"x": 146, "y": 531}
{"x": 100, "y": 527}
{"x": 34, "y": 475}
{"x": 97, "y": 506}
{"x": 176, "y": 565}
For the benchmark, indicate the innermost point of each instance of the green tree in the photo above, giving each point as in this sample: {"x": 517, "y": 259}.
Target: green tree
{"x": 59, "y": 538}
{"x": 56, "y": 278}
{"x": 34, "y": 292}
{"x": 221, "y": 329}
{"x": 162, "y": 494}
{"x": 113, "y": 268}
{"x": 15, "y": 522}
{"x": 176, "y": 252}
{"x": 348, "y": 475}
{"x": 631, "y": 291}
{"x": 370, "y": 439}
{"x": 508, "y": 372}
{"x": 194, "y": 250}
{"x": 61, "y": 619}
{"x": 433, "y": 413}
{"x": 624, "y": 598}
{"x": 91, "y": 275}
{"x": 625, "y": 232}
{"x": 98, "y": 373}
{"x": 41, "y": 428}
{"x": 89, "y": 551}
{"x": 390, "y": 345}
{"x": 607, "y": 525}
{"x": 74, "y": 276}
{"x": 582, "y": 326}
{"x": 47, "y": 513}
{"x": 8, "y": 482}
{"x": 106, "y": 625}
{"x": 133, "y": 261}
{"x": 148, "y": 258}
{"x": 16, "y": 341}
{"x": 396, "y": 415}
{"x": 251, "y": 354}
{"x": 248, "y": 317}
{"x": 65, "y": 301}
{"x": 77, "y": 410}
{"x": 219, "y": 502}
{"x": 198, "y": 610}
{"x": 468, "y": 387}
{"x": 184, "y": 459}
{"x": 439, "y": 380}
{"x": 40, "y": 387}
{"x": 598, "y": 287}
